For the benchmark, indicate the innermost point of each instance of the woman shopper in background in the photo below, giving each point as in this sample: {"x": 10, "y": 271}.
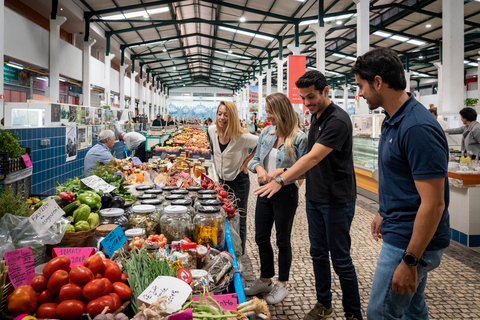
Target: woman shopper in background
{"x": 279, "y": 147}
{"x": 230, "y": 144}
{"x": 470, "y": 131}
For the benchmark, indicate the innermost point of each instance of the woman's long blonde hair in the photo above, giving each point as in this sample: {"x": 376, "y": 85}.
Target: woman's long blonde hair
{"x": 233, "y": 129}
{"x": 286, "y": 120}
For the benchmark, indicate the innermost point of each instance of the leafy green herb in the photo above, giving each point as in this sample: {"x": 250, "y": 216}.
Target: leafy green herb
{"x": 9, "y": 143}
{"x": 14, "y": 204}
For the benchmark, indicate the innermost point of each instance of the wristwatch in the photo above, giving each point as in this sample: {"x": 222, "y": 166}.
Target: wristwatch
{"x": 411, "y": 260}
{"x": 279, "y": 180}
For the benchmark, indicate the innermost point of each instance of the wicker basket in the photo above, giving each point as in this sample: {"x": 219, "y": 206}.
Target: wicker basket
{"x": 74, "y": 239}
{"x": 224, "y": 283}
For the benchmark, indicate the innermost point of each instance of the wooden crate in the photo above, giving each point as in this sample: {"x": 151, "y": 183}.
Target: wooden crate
{"x": 467, "y": 178}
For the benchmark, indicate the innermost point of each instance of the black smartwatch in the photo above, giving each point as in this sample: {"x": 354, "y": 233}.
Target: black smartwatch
{"x": 411, "y": 260}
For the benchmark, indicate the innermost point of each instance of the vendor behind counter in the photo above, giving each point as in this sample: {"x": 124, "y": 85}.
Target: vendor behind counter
{"x": 135, "y": 141}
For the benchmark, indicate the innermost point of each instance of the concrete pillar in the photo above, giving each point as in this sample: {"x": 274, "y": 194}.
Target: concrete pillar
{"x": 54, "y": 54}
{"x": 333, "y": 91}
{"x": 268, "y": 87}
{"x": 122, "y": 86}
{"x": 141, "y": 96}
{"x": 147, "y": 99}
{"x": 408, "y": 74}
{"x": 108, "y": 65}
{"x": 439, "y": 105}
{"x": 453, "y": 54}
{"x": 279, "y": 63}
{"x": 261, "y": 104}
{"x": 2, "y": 51}
{"x": 296, "y": 51}
{"x": 132, "y": 91}
{"x": 345, "y": 98}
{"x": 320, "y": 38}
{"x": 87, "y": 52}
{"x": 363, "y": 39}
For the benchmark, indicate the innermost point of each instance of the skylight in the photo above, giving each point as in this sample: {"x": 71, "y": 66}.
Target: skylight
{"x": 250, "y": 34}
{"x": 135, "y": 14}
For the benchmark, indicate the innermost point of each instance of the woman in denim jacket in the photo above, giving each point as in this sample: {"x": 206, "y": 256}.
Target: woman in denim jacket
{"x": 279, "y": 147}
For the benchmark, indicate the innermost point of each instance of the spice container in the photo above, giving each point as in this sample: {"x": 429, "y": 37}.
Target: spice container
{"x": 209, "y": 226}
{"x": 186, "y": 203}
{"x": 191, "y": 250}
{"x": 113, "y": 216}
{"x": 210, "y": 202}
{"x": 193, "y": 192}
{"x": 136, "y": 232}
{"x": 147, "y": 196}
{"x": 168, "y": 189}
{"x": 176, "y": 223}
{"x": 172, "y": 197}
{"x": 158, "y": 206}
{"x": 220, "y": 266}
{"x": 141, "y": 188}
{"x": 144, "y": 216}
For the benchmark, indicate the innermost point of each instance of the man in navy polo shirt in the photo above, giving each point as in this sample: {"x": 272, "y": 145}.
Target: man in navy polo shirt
{"x": 413, "y": 218}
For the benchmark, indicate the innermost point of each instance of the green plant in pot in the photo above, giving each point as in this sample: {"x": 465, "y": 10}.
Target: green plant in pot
{"x": 9, "y": 143}
{"x": 470, "y": 102}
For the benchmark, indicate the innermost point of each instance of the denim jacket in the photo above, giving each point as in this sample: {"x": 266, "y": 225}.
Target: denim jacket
{"x": 265, "y": 144}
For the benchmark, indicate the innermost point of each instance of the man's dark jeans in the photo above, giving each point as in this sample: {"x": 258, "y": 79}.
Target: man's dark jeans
{"x": 329, "y": 231}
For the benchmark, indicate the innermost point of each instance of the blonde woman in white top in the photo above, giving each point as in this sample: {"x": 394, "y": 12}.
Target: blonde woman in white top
{"x": 230, "y": 143}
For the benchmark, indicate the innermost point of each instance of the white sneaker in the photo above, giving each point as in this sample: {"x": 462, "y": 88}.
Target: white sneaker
{"x": 278, "y": 293}
{"x": 258, "y": 286}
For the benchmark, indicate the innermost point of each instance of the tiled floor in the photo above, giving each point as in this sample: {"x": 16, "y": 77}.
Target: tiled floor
{"x": 453, "y": 289}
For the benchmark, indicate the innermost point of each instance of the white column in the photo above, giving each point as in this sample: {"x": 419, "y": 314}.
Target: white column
{"x": 132, "y": 91}
{"x": 345, "y": 97}
{"x": 2, "y": 50}
{"x": 244, "y": 101}
{"x": 408, "y": 74}
{"x": 54, "y": 57}
{"x": 122, "y": 86}
{"x": 87, "y": 52}
{"x": 296, "y": 51}
{"x": 279, "y": 63}
{"x": 439, "y": 105}
{"x": 108, "y": 64}
{"x": 332, "y": 92}
{"x": 453, "y": 53}
{"x": 261, "y": 105}
{"x": 141, "y": 96}
{"x": 363, "y": 39}
{"x": 320, "y": 38}
{"x": 268, "y": 88}
{"x": 147, "y": 99}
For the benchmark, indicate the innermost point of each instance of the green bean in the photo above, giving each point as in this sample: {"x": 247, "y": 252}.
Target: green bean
{"x": 216, "y": 304}
{"x": 216, "y": 316}
{"x": 207, "y": 308}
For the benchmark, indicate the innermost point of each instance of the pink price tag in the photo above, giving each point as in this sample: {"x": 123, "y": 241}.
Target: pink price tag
{"x": 21, "y": 267}
{"x": 26, "y": 159}
{"x": 226, "y": 301}
{"x": 76, "y": 255}
{"x": 185, "y": 315}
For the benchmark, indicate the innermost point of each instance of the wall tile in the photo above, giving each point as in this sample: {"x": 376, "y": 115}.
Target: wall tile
{"x": 474, "y": 241}
{"x": 463, "y": 238}
{"x": 455, "y": 235}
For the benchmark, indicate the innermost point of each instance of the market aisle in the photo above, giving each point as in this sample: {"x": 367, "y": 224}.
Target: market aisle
{"x": 453, "y": 291}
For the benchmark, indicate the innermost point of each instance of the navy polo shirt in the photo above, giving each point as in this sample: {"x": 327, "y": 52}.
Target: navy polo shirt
{"x": 412, "y": 147}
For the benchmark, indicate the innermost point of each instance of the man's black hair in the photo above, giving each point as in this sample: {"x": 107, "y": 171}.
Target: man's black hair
{"x": 381, "y": 62}
{"x": 468, "y": 114}
{"x": 433, "y": 111}
{"x": 209, "y": 120}
{"x": 312, "y": 78}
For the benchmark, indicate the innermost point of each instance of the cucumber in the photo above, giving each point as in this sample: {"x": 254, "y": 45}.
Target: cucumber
{"x": 69, "y": 208}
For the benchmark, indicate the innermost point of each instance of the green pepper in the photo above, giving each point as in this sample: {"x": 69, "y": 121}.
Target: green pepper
{"x": 70, "y": 228}
{"x": 92, "y": 199}
{"x": 82, "y": 226}
{"x": 93, "y": 219}
{"x": 81, "y": 213}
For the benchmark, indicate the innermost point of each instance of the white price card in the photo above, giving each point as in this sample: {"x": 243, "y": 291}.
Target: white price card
{"x": 176, "y": 290}
{"x": 97, "y": 184}
{"x": 46, "y": 216}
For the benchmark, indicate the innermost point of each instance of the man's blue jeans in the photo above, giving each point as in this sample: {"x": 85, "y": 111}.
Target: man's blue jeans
{"x": 384, "y": 304}
{"x": 329, "y": 231}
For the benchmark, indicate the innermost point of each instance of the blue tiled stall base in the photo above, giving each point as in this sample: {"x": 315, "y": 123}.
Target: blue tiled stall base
{"x": 49, "y": 163}
{"x": 472, "y": 240}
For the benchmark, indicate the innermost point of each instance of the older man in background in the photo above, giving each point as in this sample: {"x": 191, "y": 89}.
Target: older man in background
{"x": 101, "y": 151}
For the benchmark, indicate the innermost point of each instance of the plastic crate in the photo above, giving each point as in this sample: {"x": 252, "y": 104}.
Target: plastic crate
{"x": 8, "y": 165}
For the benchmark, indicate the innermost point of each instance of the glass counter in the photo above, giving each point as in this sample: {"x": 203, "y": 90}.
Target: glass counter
{"x": 365, "y": 152}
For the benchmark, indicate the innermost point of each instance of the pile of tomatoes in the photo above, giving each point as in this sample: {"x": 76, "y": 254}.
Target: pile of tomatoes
{"x": 64, "y": 293}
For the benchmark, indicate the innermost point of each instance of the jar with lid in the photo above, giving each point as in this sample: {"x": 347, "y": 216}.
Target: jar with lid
{"x": 172, "y": 197}
{"x": 220, "y": 266}
{"x": 113, "y": 216}
{"x": 209, "y": 226}
{"x": 209, "y": 202}
{"x": 193, "y": 192}
{"x": 204, "y": 197}
{"x": 157, "y": 192}
{"x": 135, "y": 232}
{"x": 141, "y": 188}
{"x": 206, "y": 191}
{"x": 186, "y": 203}
{"x": 144, "y": 216}
{"x": 128, "y": 209}
{"x": 191, "y": 250}
{"x": 176, "y": 223}
{"x": 158, "y": 206}
{"x": 100, "y": 233}
{"x": 146, "y": 196}
{"x": 168, "y": 189}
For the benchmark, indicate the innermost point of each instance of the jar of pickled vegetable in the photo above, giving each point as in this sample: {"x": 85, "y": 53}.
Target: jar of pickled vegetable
{"x": 203, "y": 197}
{"x": 206, "y": 191}
{"x": 210, "y": 202}
{"x": 187, "y": 202}
{"x": 193, "y": 192}
{"x": 172, "y": 197}
{"x": 144, "y": 216}
{"x": 176, "y": 223}
{"x": 209, "y": 226}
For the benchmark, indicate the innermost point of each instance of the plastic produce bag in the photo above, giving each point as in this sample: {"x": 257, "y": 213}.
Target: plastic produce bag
{"x": 236, "y": 240}
{"x": 17, "y": 233}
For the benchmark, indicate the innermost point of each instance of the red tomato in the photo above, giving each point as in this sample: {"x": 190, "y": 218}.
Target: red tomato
{"x": 47, "y": 310}
{"x": 125, "y": 278}
{"x": 44, "y": 297}
{"x": 39, "y": 283}
{"x": 117, "y": 303}
{"x": 98, "y": 276}
{"x": 94, "y": 263}
{"x": 93, "y": 289}
{"x": 56, "y": 298}
{"x": 70, "y": 309}
{"x": 108, "y": 286}
{"x": 113, "y": 273}
{"x": 57, "y": 280}
{"x": 123, "y": 291}
{"x": 97, "y": 306}
{"x": 107, "y": 263}
{"x": 71, "y": 291}
{"x": 22, "y": 300}
{"x": 57, "y": 263}
{"x": 81, "y": 275}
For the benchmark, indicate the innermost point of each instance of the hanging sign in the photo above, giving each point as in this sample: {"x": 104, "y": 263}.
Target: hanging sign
{"x": 296, "y": 68}
{"x": 21, "y": 267}
{"x": 76, "y": 255}
{"x": 226, "y": 301}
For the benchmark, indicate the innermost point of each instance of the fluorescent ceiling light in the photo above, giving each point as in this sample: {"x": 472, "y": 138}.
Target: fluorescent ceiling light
{"x": 399, "y": 38}
{"x": 150, "y": 44}
{"x": 312, "y": 68}
{"x": 330, "y": 19}
{"x": 416, "y": 42}
{"x": 232, "y": 54}
{"x": 473, "y": 64}
{"x": 164, "y": 50}
{"x": 382, "y": 34}
{"x": 251, "y": 34}
{"x": 421, "y": 57}
{"x": 242, "y": 19}
{"x": 332, "y": 72}
{"x": 62, "y": 80}
{"x": 339, "y": 55}
{"x": 222, "y": 67}
{"x": 14, "y": 65}
{"x": 429, "y": 25}
{"x": 135, "y": 14}
{"x": 351, "y": 58}
{"x": 339, "y": 22}
{"x": 42, "y": 78}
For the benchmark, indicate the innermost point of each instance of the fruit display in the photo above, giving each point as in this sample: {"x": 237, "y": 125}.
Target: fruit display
{"x": 191, "y": 140}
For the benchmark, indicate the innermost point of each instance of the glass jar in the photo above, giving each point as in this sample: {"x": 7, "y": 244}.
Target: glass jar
{"x": 172, "y": 197}
{"x": 142, "y": 187}
{"x": 206, "y": 191}
{"x": 182, "y": 192}
{"x": 100, "y": 233}
{"x": 210, "y": 202}
{"x": 136, "y": 232}
{"x": 158, "y": 206}
{"x": 209, "y": 226}
{"x": 113, "y": 216}
{"x": 220, "y": 266}
{"x": 176, "y": 223}
{"x": 204, "y": 197}
{"x": 128, "y": 209}
{"x": 186, "y": 203}
{"x": 147, "y": 196}
{"x": 157, "y": 192}
{"x": 144, "y": 216}
{"x": 168, "y": 189}
{"x": 193, "y": 192}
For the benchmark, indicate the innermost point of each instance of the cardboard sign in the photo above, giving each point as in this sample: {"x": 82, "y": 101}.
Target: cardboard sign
{"x": 113, "y": 241}
{"x": 226, "y": 301}
{"x": 185, "y": 315}
{"x": 97, "y": 184}
{"x": 46, "y": 216}
{"x": 136, "y": 161}
{"x": 76, "y": 255}
{"x": 26, "y": 159}
{"x": 176, "y": 290}
{"x": 25, "y": 317}
{"x": 21, "y": 268}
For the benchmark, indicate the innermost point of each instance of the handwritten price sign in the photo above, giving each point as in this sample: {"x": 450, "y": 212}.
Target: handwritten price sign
{"x": 176, "y": 290}
{"x": 21, "y": 268}
{"x": 97, "y": 184}
{"x": 113, "y": 241}
{"x": 226, "y": 301}
{"x": 76, "y": 255}
{"x": 46, "y": 216}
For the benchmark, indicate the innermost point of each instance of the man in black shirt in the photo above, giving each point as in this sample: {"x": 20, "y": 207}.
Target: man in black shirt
{"x": 331, "y": 194}
{"x": 157, "y": 122}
